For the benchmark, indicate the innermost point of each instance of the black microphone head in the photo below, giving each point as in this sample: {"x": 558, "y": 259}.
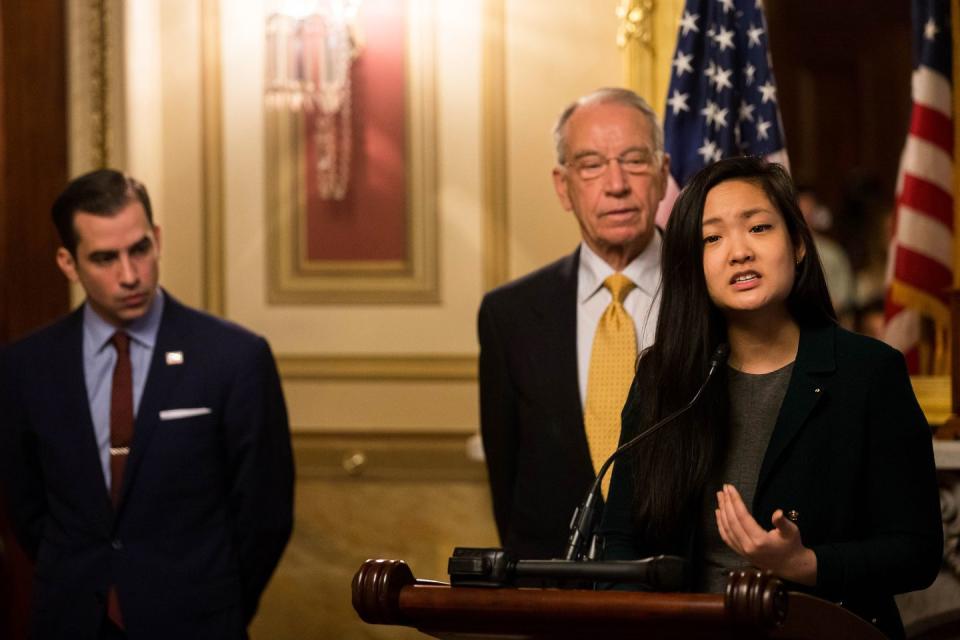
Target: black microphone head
{"x": 719, "y": 355}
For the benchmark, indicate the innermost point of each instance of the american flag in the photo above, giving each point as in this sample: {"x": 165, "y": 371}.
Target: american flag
{"x": 722, "y": 99}
{"x": 920, "y": 262}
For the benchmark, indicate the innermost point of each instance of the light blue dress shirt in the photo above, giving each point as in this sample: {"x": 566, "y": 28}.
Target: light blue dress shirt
{"x": 99, "y": 359}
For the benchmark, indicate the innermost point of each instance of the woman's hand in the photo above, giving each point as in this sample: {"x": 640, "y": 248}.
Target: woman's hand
{"x": 779, "y": 549}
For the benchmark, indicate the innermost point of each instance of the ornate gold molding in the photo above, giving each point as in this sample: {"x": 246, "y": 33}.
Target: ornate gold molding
{"x": 495, "y": 215}
{"x": 647, "y": 36}
{"x": 214, "y": 296}
{"x": 95, "y": 70}
{"x": 385, "y": 456}
{"x": 368, "y": 368}
{"x": 99, "y": 82}
{"x": 635, "y": 37}
{"x": 95, "y": 107}
{"x": 636, "y": 23}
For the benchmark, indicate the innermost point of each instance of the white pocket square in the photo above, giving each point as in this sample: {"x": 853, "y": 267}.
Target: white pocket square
{"x": 179, "y": 414}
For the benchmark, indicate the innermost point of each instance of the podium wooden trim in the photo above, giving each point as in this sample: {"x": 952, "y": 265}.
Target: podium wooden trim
{"x": 756, "y": 605}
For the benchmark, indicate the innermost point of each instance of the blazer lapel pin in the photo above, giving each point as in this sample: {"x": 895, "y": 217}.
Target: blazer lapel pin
{"x": 174, "y": 357}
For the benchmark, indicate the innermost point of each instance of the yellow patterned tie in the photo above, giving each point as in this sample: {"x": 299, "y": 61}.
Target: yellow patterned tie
{"x": 612, "y": 364}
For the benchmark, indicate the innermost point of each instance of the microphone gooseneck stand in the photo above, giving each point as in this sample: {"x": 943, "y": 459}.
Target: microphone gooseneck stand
{"x": 492, "y": 567}
{"x": 584, "y": 518}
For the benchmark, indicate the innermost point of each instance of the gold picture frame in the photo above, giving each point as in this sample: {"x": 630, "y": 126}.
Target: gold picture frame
{"x": 293, "y": 278}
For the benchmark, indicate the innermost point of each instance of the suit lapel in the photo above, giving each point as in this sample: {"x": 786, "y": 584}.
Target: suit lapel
{"x": 161, "y": 381}
{"x": 808, "y": 386}
{"x": 556, "y": 311}
{"x": 76, "y": 411}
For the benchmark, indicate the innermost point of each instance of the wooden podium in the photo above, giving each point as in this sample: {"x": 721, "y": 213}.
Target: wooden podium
{"x": 756, "y": 605}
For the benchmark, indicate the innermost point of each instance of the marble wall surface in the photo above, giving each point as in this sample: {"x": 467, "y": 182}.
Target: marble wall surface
{"x": 410, "y": 498}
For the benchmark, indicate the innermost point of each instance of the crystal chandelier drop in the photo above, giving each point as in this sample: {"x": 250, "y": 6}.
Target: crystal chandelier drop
{"x": 311, "y": 46}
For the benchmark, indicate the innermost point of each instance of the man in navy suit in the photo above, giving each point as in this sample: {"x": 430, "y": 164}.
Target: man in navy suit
{"x": 145, "y": 445}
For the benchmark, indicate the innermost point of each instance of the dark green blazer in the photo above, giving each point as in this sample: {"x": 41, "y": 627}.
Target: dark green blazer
{"x": 851, "y": 452}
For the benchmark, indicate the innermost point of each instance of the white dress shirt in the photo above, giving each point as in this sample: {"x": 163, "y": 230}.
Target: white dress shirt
{"x": 642, "y": 303}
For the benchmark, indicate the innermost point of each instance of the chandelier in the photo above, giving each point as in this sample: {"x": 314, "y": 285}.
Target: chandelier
{"x": 311, "y": 46}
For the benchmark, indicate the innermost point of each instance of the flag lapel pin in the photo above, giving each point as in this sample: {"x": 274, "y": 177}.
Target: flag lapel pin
{"x": 174, "y": 357}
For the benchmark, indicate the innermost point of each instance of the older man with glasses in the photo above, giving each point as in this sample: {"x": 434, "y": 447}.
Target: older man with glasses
{"x": 558, "y": 346}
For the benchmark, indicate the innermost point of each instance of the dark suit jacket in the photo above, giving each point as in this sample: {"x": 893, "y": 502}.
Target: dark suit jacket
{"x": 531, "y": 420}
{"x": 851, "y": 452}
{"x": 206, "y": 509}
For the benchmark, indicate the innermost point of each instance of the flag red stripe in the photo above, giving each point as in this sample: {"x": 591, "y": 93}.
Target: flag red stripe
{"x": 928, "y": 198}
{"x": 890, "y": 308}
{"x": 922, "y": 167}
{"x": 932, "y": 126}
{"x": 912, "y": 356}
{"x": 922, "y": 273}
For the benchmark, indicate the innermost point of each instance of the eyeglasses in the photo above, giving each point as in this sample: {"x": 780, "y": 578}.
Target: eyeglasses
{"x": 591, "y": 166}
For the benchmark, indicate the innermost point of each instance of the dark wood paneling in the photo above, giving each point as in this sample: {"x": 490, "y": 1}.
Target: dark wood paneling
{"x": 4, "y": 243}
{"x": 33, "y": 160}
{"x": 843, "y": 82}
{"x": 33, "y": 169}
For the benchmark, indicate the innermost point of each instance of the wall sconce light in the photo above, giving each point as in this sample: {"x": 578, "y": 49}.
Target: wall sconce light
{"x": 311, "y": 47}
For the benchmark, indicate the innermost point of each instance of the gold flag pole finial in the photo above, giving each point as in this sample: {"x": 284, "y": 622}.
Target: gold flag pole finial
{"x": 635, "y": 38}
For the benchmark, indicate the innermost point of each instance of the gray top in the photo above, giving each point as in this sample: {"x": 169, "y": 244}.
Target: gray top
{"x": 755, "y": 401}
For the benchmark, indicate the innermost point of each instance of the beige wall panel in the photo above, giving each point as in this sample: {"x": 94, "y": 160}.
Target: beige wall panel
{"x": 556, "y": 51}
{"x": 343, "y": 523}
{"x": 162, "y": 78}
{"x": 414, "y": 498}
{"x": 382, "y": 406}
{"x": 446, "y": 327}
{"x": 182, "y": 172}
{"x": 145, "y": 133}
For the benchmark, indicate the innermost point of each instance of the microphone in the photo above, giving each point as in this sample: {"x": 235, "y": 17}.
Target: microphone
{"x": 482, "y": 567}
{"x": 582, "y": 523}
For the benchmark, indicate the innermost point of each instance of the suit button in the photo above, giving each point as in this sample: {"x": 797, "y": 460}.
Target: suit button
{"x": 117, "y": 545}
{"x": 793, "y": 516}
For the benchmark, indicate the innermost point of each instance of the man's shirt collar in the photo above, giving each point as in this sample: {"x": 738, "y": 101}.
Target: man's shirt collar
{"x": 643, "y": 271}
{"x": 143, "y": 330}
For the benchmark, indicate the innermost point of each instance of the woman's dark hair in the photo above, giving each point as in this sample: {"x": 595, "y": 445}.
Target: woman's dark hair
{"x": 673, "y": 466}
